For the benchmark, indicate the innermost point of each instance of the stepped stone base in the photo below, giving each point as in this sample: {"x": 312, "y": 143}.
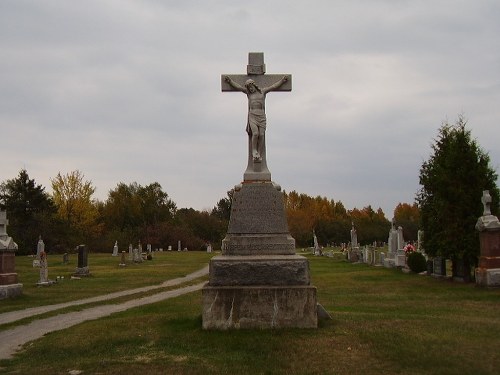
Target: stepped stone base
{"x": 262, "y": 307}
{"x": 488, "y": 277}
{"x": 12, "y": 290}
{"x": 269, "y": 270}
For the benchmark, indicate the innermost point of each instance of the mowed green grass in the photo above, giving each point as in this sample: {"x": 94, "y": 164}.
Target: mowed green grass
{"x": 384, "y": 322}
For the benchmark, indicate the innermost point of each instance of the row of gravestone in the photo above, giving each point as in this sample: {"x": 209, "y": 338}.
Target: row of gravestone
{"x": 149, "y": 249}
{"x": 486, "y": 274}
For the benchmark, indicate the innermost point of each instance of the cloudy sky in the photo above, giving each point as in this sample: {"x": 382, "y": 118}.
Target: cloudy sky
{"x": 129, "y": 91}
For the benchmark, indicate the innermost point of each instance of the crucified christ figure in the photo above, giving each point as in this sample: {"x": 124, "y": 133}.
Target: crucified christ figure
{"x": 256, "y": 123}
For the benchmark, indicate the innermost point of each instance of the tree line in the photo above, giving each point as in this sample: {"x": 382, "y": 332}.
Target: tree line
{"x": 447, "y": 207}
{"x": 131, "y": 213}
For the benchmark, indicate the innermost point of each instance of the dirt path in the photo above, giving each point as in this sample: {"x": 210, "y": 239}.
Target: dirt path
{"x": 13, "y": 316}
{"x": 11, "y": 340}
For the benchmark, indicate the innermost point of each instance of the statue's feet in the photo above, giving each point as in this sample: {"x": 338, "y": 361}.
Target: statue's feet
{"x": 256, "y": 156}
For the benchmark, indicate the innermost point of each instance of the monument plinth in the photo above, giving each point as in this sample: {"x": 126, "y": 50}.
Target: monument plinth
{"x": 258, "y": 281}
{"x": 488, "y": 271}
{"x": 9, "y": 286}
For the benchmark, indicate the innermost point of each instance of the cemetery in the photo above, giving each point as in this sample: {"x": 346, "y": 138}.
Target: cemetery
{"x": 258, "y": 303}
{"x": 379, "y": 315}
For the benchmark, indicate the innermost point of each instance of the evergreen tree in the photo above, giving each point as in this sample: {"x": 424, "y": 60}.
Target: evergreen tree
{"x": 29, "y": 210}
{"x": 450, "y": 197}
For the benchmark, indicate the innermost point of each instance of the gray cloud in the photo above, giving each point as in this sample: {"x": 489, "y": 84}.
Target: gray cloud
{"x": 130, "y": 91}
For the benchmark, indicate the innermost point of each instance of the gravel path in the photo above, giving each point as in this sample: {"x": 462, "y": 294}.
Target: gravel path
{"x": 11, "y": 340}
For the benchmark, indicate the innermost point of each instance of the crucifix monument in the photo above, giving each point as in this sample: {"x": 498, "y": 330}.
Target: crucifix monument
{"x": 258, "y": 281}
{"x": 256, "y": 84}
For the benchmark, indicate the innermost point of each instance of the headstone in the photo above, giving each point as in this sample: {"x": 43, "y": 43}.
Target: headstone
{"x": 393, "y": 241}
{"x": 65, "y": 258}
{"x": 401, "y": 240}
{"x": 439, "y": 267}
{"x": 137, "y": 256}
{"x": 488, "y": 271}
{"x": 317, "y": 248}
{"x": 9, "y": 285}
{"x": 169, "y": 248}
{"x": 44, "y": 270}
{"x": 354, "y": 238}
{"x": 179, "y": 248}
{"x": 420, "y": 240}
{"x": 258, "y": 281}
{"x": 115, "y": 249}
{"x": 130, "y": 252}
{"x": 40, "y": 247}
{"x": 123, "y": 263}
{"x": 82, "y": 268}
{"x": 209, "y": 248}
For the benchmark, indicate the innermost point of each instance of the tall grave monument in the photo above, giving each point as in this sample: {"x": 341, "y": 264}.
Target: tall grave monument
{"x": 258, "y": 281}
{"x": 488, "y": 225}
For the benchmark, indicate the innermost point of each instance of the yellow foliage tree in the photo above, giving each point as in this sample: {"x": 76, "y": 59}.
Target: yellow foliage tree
{"x": 73, "y": 199}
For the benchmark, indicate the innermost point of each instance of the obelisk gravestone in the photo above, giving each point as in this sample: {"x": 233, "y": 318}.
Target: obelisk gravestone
{"x": 258, "y": 281}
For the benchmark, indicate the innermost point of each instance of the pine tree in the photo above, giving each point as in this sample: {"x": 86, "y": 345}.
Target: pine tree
{"x": 452, "y": 181}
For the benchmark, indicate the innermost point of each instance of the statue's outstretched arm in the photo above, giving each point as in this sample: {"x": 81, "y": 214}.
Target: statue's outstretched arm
{"x": 234, "y": 84}
{"x": 276, "y": 85}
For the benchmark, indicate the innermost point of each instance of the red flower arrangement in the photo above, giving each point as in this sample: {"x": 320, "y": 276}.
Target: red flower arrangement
{"x": 409, "y": 249}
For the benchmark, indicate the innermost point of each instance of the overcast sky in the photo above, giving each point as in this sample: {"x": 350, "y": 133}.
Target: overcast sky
{"x": 129, "y": 91}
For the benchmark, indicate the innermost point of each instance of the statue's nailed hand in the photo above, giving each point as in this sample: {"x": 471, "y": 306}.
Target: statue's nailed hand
{"x": 227, "y": 79}
{"x": 285, "y": 79}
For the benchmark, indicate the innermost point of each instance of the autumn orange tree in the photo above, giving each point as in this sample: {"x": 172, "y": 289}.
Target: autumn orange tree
{"x": 408, "y": 216}
{"x": 331, "y": 221}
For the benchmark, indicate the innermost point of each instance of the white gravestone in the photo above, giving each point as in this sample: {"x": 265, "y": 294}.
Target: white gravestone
{"x": 115, "y": 249}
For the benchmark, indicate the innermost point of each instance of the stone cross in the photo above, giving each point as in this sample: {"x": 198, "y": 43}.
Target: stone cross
{"x": 256, "y": 84}
{"x": 486, "y": 199}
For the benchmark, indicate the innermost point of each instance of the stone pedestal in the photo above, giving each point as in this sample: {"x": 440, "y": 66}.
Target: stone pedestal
{"x": 259, "y": 281}
{"x": 9, "y": 286}
{"x": 228, "y": 307}
{"x": 400, "y": 259}
{"x": 488, "y": 271}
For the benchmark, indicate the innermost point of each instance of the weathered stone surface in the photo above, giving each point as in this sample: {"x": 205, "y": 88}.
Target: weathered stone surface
{"x": 488, "y": 277}
{"x": 258, "y": 208}
{"x": 7, "y": 261}
{"x": 8, "y": 278}
{"x": 490, "y": 243}
{"x": 259, "y": 307}
{"x": 248, "y": 244}
{"x": 489, "y": 262}
{"x": 259, "y": 270}
{"x": 12, "y": 290}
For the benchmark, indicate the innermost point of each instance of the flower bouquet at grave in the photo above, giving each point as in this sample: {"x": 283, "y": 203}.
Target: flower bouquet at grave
{"x": 409, "y": 249}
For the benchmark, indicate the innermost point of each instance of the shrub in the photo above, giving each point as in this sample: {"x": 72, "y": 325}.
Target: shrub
{"x": 416, "y": 262}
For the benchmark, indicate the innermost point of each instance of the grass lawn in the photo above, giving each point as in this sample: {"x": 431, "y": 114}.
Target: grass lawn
{"x": 384, "y": 322}
{"x": 106, "y": 276}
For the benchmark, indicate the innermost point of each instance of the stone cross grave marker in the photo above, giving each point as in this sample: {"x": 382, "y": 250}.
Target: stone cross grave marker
{"x": 256, "y": 84}
{"x": 258, "y": 281}
{"x": 486, "y": 199}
